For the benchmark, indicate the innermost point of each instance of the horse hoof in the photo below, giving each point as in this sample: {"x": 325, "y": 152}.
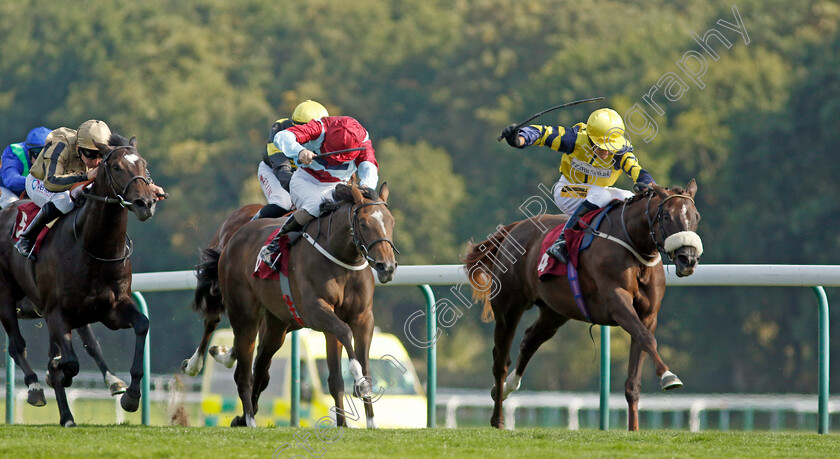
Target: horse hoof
{"x": 670, "y": 381}
{"x": 499, "y": 424}
{"x": 364, "y": 389}
{"x": 117, "y": 388}
{"x": 35, "y": 397}
{"x": 493, "y": 393}
{"x": 238, "y": 421}
{"x": 184, "y": 368}
{"x": 129, "y": 403}
{"x": 68, "y": 423}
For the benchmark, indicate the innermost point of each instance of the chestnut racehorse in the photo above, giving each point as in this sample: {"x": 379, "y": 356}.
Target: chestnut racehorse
{"x": 622, "y": 282}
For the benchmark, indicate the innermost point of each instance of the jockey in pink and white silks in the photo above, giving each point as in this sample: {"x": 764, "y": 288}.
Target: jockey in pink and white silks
{"x": 319, "y": 171}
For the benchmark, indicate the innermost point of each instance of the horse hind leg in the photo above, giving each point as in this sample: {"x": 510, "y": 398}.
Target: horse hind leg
{"x": 506, "y": 322}
{"x": 538, "y": 333}
{"x": 193, "y": 365}
{"x": 112, "y": 382}
{"x": 244, "y": 337}
{"x": 272, "y": 335}
{"x": 17, "y": 350}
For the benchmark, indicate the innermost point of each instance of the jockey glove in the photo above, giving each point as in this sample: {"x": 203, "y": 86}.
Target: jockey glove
{"x": 640, "y": 187}
{"x": 511, "y": 134}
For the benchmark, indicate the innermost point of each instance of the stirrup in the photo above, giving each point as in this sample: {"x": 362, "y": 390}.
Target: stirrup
{"x": 559, "y": 251}
{"x": 25, "y": 251}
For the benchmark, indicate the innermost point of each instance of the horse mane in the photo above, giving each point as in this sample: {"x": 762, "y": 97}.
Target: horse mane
{"x": 643, "y": 194}
{"x": 116, "y": 140}
{"x": 343, "y": 193}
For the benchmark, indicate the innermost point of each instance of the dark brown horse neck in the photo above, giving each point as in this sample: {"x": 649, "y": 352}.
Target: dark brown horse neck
{"x": 100, "y": 226}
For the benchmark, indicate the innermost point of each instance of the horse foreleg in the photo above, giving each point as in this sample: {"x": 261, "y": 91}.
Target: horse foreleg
{"x": 91, "y": 344}
{"x": 362, "y": 334}
{"x": 335, "y": 381}
{"x": 195, "y": 364}
{"x": 272, "y": 336}
{"x": 60, "y": 367}
{"x": 633, "y": 385}
{"x": 17, "y": 350}
{"x": 125, "y": 314}
{"x": 324, "y": 319}
{"x": 538, "y": 333}
{"x": 503, "y": 337}
{"x": 625, "y": 315}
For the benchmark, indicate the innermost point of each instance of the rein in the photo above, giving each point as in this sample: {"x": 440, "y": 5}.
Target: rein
{"x": 358, "y": 239}
{"x": 129, "y": 244}
{"x": 119, "y": 199}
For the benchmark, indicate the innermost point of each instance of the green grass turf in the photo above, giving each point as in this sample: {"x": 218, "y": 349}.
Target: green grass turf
{"x": 194, "y": 442}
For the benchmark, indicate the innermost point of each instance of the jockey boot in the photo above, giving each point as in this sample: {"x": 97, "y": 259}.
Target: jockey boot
{"x": 270, "y": 252}
{"x": 558, "y": 250}
{"x": 270, "y": 211}
{"x": 27, "y": 239}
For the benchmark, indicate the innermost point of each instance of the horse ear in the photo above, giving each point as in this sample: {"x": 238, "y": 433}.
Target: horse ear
{"x": 102, "y": 147}
{"x": 133, "y": 141}
{"x": 661, "y": 192}
{"x": 691, "y": 188}
{"x": 357, "y": 194}
{"x": 383, "y": 191}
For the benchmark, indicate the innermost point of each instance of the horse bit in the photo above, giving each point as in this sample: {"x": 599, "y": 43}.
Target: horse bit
{"x": 358, "y": 239}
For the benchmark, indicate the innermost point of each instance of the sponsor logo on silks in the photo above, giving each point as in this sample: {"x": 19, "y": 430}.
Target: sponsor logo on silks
{"x": 589, "y": 169}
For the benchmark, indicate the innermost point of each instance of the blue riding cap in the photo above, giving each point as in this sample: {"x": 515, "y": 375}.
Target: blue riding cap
{"x": 37, "y": 137}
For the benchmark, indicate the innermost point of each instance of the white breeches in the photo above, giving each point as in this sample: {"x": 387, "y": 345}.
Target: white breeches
{"x": 40, "y": 195}
{"x": 308, "y": 193}
{"x": 569, "y": 195}
{"x": 273, "y": 190}
{"x": 7, "y": 197}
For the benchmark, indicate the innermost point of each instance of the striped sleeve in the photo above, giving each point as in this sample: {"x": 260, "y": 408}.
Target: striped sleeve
{"x": 554, "y": 137}
{"x": 628, "y": 164}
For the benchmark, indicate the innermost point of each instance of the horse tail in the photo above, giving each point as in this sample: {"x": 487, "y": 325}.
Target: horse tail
{"x": 208, "y": 297}
{"x": 480, "y": 279}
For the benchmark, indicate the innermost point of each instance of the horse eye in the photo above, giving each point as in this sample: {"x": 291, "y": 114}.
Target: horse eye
{"x": 116, "y": 168}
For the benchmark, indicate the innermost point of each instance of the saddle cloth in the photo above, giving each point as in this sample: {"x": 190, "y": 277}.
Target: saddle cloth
{"x": 26, "y": 213}
{"x": 576, "y": 242}
{"x": 263, "y": 271}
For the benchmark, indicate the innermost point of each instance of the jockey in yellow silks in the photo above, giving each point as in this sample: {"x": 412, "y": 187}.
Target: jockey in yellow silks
{"x": 595, "y": 154}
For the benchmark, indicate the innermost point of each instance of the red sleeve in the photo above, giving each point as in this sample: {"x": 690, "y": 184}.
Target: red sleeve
{"x": 367, "y": 154}
{"x": 307, "y": 132}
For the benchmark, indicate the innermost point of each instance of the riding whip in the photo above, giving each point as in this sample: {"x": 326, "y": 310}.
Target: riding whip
{"x": 568, "y": 104}
{"x": 339, "y": 151}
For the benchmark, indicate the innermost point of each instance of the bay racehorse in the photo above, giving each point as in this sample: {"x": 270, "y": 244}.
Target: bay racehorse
{"x": 331, "y": 286}
{"x": 622, "y": 284}
{"x": 207, "y": 298}
{"x": 82, "y": 274}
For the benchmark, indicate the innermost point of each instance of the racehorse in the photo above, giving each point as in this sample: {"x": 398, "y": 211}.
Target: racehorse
{"x": 619, "y": 287}
{"x": 331, "y": 285}
{"x": 207, "y": 299}
{"x": 82, "y": 274}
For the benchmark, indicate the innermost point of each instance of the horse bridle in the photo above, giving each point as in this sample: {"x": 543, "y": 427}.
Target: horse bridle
{"x": 119, "y": 199}
{"x": 358, "y": 239}
{"x": 659, "y": 217}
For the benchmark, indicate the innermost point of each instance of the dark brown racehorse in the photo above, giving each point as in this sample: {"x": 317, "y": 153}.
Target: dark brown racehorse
{"x": 618, "y": 287}
{"x": 82, "y": 274}
{"x": 207, "y": 299}
{"x": 332, "y": 290}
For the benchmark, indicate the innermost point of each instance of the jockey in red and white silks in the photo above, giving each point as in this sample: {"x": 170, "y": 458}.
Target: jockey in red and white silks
{"x": 317, "y": 175}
